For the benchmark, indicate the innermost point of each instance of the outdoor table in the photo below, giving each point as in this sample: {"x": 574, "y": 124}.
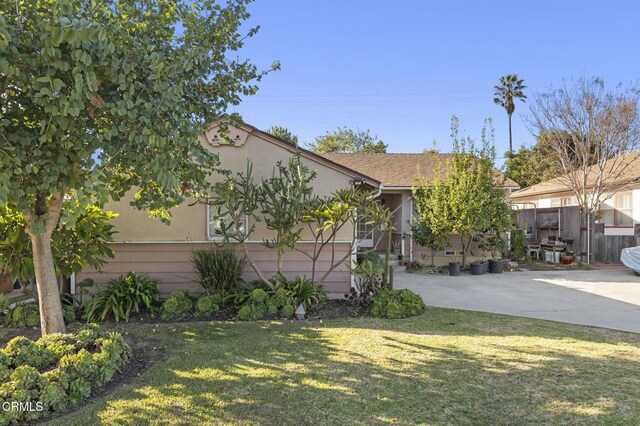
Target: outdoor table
{"x": 554, "y": 248}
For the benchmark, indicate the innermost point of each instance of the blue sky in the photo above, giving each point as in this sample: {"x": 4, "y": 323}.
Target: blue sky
{"x": 402, "y": 69}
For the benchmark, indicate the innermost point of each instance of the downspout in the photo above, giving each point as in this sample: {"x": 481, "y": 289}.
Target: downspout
{"x": 410, "y": 227}
{"x": 377, "y": 193}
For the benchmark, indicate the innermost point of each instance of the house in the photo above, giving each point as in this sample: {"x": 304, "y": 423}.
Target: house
{"x": 550, "y": 209}
{"x": 144, "y": 245}
{"x": 398, "y": 173}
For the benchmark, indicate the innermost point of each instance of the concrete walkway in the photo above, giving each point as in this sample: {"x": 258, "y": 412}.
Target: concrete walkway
{"x": 602, "y": 298}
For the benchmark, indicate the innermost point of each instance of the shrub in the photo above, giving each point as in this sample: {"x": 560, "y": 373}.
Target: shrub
{"x": 23, "y": 315}
{"x": 57, "y": 370}
{"x": 122, "y": 296}
{"x": 219, "y": 271}
{"x": 69, "y": 314}
{"x": 304, "y": 292}
{"x": 288, "y": 311}
{"x": 368, "y": 276}
{"x": 206, "y": 306}
{"x": 178, "y": 305}
{"x": 259, "y": 295}
{"x": 396, "y": 304}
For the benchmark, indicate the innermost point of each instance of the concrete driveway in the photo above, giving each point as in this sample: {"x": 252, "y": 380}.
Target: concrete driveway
{"x": 609, "y": 299}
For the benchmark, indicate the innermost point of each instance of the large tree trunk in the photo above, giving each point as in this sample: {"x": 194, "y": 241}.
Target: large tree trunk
{"x": 51, "y": 318}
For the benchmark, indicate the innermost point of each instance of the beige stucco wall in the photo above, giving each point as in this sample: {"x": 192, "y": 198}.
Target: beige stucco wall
{"x": 189, "y": 222}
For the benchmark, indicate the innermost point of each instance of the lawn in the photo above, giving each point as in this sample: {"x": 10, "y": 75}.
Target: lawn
{"x": 444, "y": 367}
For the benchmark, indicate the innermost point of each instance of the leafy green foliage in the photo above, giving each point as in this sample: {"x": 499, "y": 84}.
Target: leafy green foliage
{"x": 219, "y": 271}
{"x": 539, "y": 163}
{"x": 80, "y": 239}
{"x": 519, "y": 244}
{"x": 178, "y": 305}
{"x": 25, "y": 315}
{"x": 287, "y": 205}
{"x": 469, "y": 199}
{"x": 368, "y": 278}
{"x": 58, "y": 370}
{"x": 123, "y": 296}
{"x": 349, "y": 141}
{"x": 207, "y": 306}
{"x": 396, "y": 304}
{"x": 109, "y": 96}
{"x": 255, "y": 304}
{"x": 429, "y": 229}
{"x": 283, "y": 133}
{"x": 302, "y": 291}
{"x": 511, "y": 88}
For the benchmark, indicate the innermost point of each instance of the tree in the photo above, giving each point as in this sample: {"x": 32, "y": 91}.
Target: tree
{"x": 102, "y": 97}
{"x": 429, "y": 227}
{"x": 531, "y": 166}
{"x": 283, "y": 133}
{"x": 288, "y": 207}
{"x": 349, "y": 141}
{"x": 510, "y": 88}
{"x": 464, "y": 201}
{"x": 80, "y": 239}
{"x": 603, "y": 125}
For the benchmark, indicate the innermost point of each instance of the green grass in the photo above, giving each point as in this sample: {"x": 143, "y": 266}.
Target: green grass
{"x": 445, "y": 367}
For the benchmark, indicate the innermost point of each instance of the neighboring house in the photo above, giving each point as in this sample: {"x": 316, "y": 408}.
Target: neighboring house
{"x": 144, "y": 245}
{"x": 398, "y": 173}
{"x": 550, "y": 209}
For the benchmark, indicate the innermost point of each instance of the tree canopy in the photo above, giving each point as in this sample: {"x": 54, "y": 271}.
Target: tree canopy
{"x": 284, "y": 134}
{"x": 99, "y": 97}
{"x": 467, "y": 200}
{"x": 530, "y": 166}
{"x": 510, "y": 88}
{"x": 346, "y": 140}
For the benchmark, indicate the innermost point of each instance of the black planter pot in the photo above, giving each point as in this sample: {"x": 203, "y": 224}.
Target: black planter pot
{"x": 454, "y": 269}
{"x": 496, "y": 266}
{"x": 485, "y": 265}
{"x": 477, "y": 268}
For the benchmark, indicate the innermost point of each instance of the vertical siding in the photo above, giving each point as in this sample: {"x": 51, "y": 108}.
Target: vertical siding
{"x": 171, "y": 264}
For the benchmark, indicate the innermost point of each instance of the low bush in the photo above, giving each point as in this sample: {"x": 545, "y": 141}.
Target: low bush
{"x": 23, "y": 315}
{"x": 257, "y": 303}
{"x": 219, "y": 271}
{"x": 207, "y": 306}
{"x": 304, "y": 292}
{"x": 178, "y": 305}
{"x": 396, "y": 304}
{"x": 123, "y": 296}
{"x": 57, "y": 371}
{"x": 368, "y": 279}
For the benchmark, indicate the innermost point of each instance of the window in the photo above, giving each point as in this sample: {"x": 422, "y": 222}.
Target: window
{"x": 555, "y": 202}
{"x": 623, "y": 202}
{"x": 218, "y": 222}
{"x": 619, "y": 211}
{"x": 568, "y": 201}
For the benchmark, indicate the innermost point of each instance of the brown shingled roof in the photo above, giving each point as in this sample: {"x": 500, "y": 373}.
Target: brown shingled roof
{"x": 397, "y": 170}
{"x": 631, "y": 162}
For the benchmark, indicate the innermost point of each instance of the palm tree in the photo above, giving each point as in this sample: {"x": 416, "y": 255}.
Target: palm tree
{"x": 510, "y": 88}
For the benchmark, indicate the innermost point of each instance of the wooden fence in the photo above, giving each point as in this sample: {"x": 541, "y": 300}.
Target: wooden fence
{"x": 564, "y": 222}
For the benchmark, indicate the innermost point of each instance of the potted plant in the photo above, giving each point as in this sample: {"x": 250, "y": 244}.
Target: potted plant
{"x": 454, "y": 269}
{"x": 477, "y": 268}
{"x": 6, "y": 284}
